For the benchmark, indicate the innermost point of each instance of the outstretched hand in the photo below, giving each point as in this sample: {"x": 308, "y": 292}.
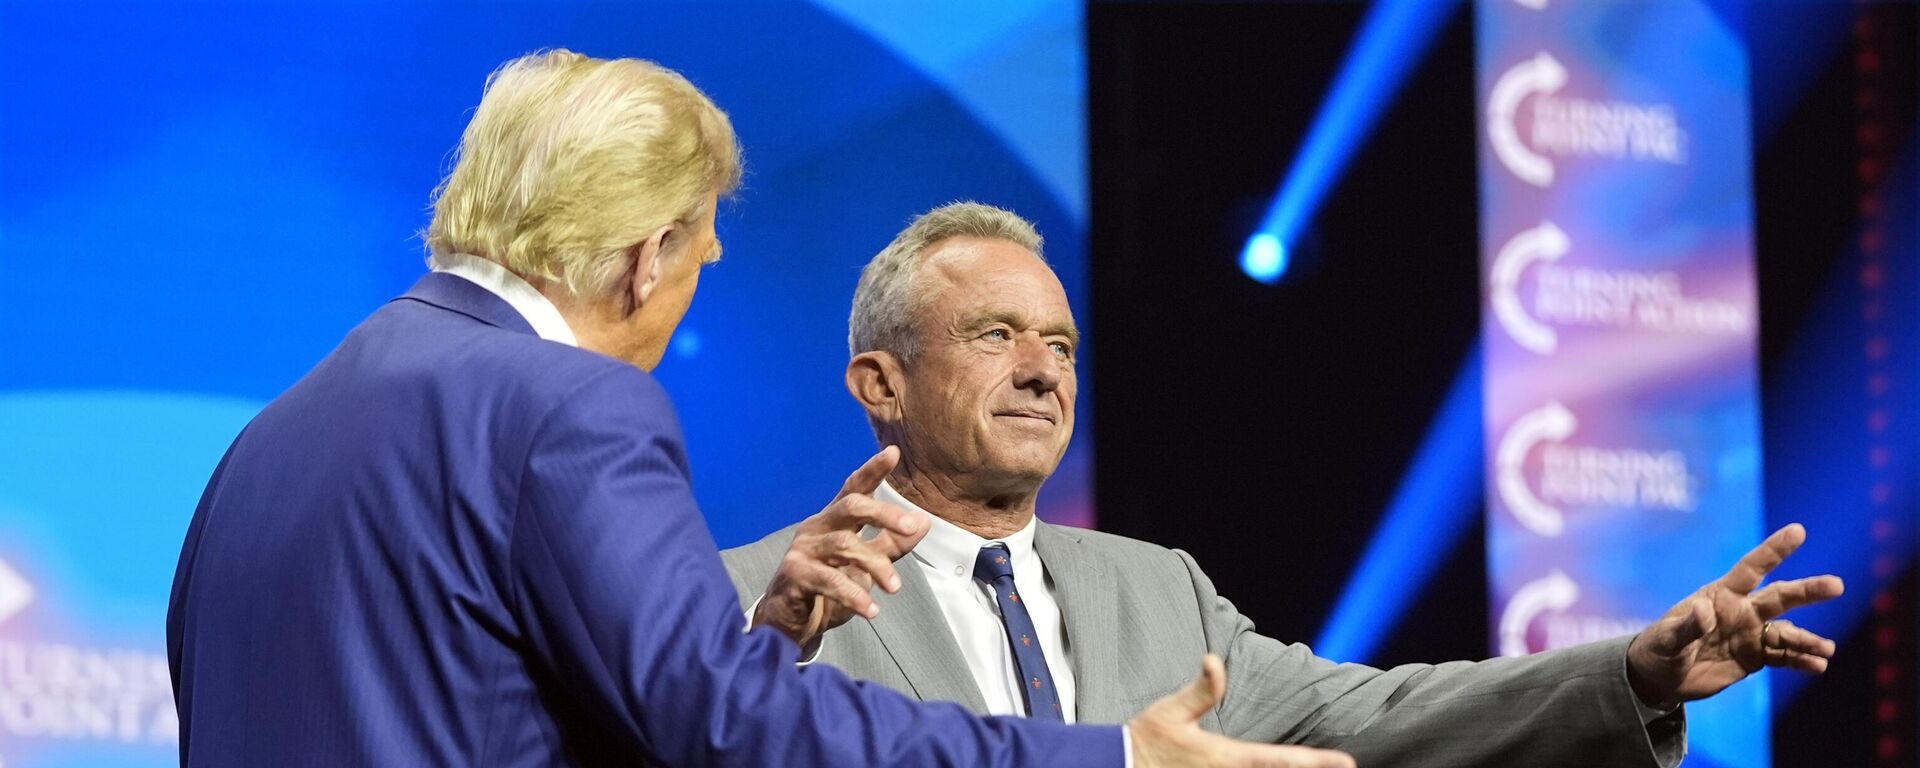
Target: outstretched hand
{"x": 830, "y": 570}
{"x": 1168, "y": 733}
{"x": 1730, "y": 629}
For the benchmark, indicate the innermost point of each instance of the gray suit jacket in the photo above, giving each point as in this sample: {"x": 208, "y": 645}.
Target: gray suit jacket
{"x": 1138, "y": 617}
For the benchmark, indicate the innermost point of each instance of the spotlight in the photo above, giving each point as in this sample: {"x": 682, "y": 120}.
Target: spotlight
{"x": 1265, "y": 258}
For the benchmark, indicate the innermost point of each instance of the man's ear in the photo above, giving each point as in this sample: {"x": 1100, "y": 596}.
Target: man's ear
{"x": 643, "y": 263}
{"x": 874, "y": 379}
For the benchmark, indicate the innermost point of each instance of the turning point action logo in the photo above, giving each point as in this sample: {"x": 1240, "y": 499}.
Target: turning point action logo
{"x": 1583, "y": 296}
{"x": 15, "y": 593}
{"x": 1551, "y": 597}
{"x": 54, "y": 693}
{"x": 1582, "y": 475}
{"x": 1572, "y": 127}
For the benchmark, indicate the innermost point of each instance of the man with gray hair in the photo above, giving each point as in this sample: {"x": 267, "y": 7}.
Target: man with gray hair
{"x": 468, "y": 536}
{"x": 963, "y": 350}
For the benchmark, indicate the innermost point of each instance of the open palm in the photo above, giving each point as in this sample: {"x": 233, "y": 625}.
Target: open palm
{"x": 1730, "y": 628}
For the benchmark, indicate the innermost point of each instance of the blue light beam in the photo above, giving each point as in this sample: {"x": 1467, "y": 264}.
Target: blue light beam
{"x": 1264, "y": 259}
{"x": 1394, "y": 37}
{"x": 1815, "y": 468}
{"x": 1434, "y": 505}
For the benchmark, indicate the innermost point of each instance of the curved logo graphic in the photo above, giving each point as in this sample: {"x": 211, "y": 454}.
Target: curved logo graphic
{"x": 1542, "y": 243}
{"x": 15, "y": 592}
{"x": 1541, "y": 74}
{"x": 1555, "y": 592}
{"x": 1550, "y": 423}
{"x": 15, "y": 595}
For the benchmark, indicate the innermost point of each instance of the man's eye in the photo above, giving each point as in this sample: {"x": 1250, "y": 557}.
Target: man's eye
{"x": 999, "y": 334}
{"x": 1060, "y": 348}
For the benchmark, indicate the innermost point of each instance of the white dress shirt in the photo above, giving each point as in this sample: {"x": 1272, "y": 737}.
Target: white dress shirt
{"x": 519, "y": 294}
{"x": 968, "y": 604}
{"x": 946, "y": 558}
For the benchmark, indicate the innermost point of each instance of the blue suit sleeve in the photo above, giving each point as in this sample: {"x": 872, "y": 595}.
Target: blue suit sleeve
{"x": 623, "y": 599}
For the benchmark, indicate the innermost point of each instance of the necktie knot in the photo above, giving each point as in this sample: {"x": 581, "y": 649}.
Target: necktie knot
{"x": 993, "y": 563}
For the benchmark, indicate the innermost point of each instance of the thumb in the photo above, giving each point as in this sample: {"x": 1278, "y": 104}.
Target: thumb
{"x": 1697, "y": 623}
{"x": 1686, "y": 628}
{"x": 1203, "y": 693}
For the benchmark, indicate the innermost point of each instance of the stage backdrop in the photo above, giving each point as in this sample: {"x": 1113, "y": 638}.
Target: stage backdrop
{"x": 197, "y": 201}
{"x": 1622, "y": 413}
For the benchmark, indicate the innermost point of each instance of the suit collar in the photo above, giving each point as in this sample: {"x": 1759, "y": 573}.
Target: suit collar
{"x": 457, "y": 294}
{"x": 525, "y": 299}
{"x": 951, "y": 550}
{"x": 1091, "y": 614}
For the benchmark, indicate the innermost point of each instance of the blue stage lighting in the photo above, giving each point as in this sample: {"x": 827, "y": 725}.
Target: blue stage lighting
{"x": 1393, "y": 38}
{"x": 1264, "y": 258}
{"x": 1817, "y": 474}
{"x": 1434, "y": 505}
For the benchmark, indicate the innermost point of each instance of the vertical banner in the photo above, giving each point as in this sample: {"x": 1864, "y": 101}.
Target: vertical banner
{"x": 1622, "y": 413}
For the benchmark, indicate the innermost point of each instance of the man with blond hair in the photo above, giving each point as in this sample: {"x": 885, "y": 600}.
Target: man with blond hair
{"x": 468, "y": 536}
{"x": 963, "y": 353}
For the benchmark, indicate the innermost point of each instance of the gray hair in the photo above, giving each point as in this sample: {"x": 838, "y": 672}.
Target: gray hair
{"x": 888, "y": 297}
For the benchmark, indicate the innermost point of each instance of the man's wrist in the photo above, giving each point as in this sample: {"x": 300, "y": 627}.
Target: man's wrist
{"x": 1645, "y": 693}
{"x": 1650, "y": 713}
{"x": 809, "y": 651}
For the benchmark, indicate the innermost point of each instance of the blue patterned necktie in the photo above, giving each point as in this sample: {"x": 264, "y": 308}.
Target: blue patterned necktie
{"x": 994, "y": 566}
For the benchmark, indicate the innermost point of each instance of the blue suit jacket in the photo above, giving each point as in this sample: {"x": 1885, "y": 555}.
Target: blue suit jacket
{"x": 456, "y": 544}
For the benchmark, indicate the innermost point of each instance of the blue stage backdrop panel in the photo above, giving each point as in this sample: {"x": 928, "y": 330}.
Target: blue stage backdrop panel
{"x": 1620, "y": 328}
{"x": 197, "y": 201}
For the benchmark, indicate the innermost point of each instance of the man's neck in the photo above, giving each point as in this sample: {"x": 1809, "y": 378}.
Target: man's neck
{"x": 985, "y": 515}
{"x": 595, "y": 324}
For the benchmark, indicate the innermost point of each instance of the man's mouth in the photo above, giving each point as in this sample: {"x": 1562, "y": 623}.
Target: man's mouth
{"x": 1021, "y": 414}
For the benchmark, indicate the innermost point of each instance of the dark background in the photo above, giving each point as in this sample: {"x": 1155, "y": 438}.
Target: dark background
{"x": 1264, "y": 428}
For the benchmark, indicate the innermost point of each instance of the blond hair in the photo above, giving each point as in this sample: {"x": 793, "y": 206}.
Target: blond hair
{"x": 570, "y": 160}
{"x": 888, "y": 299}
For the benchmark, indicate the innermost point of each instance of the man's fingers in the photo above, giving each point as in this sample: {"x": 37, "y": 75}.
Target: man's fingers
{"x": 1168, "y": 733}
{"x": 1308, "y": 757}
{"x": 829, "y": 582}
{"x": 847, "y": 548}
{"x": 857, "y": 511}
{"x": 1239, "y": 754}
{"x": 868, "y": 476}
{"x": 1805, "y": 662}
{"x": 1203, "y": 693}
{"x": 895, "y": 546}
{"x": 1782, "y": 596}
{"x": 1786, "y": 637}
{"x": 891, "y": 518}
{"x": 1754, "y": 567}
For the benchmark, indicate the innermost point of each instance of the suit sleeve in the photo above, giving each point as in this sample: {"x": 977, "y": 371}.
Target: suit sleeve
{"x": 1570, "y": 707}
{"x": 620, "y": 592}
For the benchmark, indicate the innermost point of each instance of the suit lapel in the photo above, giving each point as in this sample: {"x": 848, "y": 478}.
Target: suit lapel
{"x": 1092, "y": 620}
{"x": 915, "y": 633}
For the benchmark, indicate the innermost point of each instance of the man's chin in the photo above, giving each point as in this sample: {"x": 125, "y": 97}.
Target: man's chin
{"x": 1027, "y": 470}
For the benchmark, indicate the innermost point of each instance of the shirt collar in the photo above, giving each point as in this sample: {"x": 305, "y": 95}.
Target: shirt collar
{"x": 517, "y": 293}
{"x": 949, "y": 549}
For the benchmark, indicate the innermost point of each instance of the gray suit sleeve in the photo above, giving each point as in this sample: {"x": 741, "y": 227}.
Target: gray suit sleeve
{"x": 1570, "y": 707}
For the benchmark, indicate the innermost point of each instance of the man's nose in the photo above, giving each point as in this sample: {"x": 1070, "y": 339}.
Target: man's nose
{"x": 1036, "y": 367}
